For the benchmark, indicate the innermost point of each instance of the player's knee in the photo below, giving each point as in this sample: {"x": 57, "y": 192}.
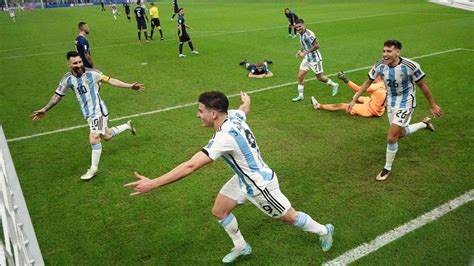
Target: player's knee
{"x": 94, "y": 140}
{"x": 301, "y": 78}
{"x": 290, "y": 217}
{"x": 321, "y": 78}
{"x": 219, "y": 213}
{"x": 392, "y": 138}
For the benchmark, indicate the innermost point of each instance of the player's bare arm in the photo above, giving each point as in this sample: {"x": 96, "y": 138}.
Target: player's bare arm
{"x": 118, "y": 83}
{"x": 245, "y": 106}
{"x": 361, "y": 91}
{"x": 38, "y": 114}
{"x": 144, "y": 184}
{"x": 259, "y": 76}
{"x": 434, "y": 108}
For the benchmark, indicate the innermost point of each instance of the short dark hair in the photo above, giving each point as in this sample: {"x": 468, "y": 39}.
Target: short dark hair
{"x": 299, "y": 21}
{"x": 71, "y": 54}
{"x": 391, "y": 43}
{"x": 82, "y": 23}
{"x": 215, "y": 100}
{"x": 287, "y": 9}
{"x": 180, "y": 9}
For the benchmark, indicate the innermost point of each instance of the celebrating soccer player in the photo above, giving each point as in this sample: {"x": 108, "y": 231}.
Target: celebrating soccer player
{"x": 312, "y": 59}
{"x": 85, "y": 83}
{"x": 399, "y": 75}
{"x": 253, "y": 180}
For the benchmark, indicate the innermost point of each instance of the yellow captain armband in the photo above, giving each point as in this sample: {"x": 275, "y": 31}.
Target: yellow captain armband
{"x": 105, "y": 78}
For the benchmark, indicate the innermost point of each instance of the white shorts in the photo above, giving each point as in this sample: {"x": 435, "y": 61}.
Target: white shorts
{"x": 317, "y": 66}
{"x": 271, "y": 200}
{"x": 98, "y": 124}
{"x": 399, "y": 116}
{"x": 114, "y": 12}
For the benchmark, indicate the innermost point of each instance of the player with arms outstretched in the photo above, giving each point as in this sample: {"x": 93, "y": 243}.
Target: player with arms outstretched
{"x": 253, "y": 180}
{"x": 399, "y": 75}
{"x": 85, "y": 83}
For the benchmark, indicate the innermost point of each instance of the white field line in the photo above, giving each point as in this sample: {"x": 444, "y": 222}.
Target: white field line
{"x": 219, "y": 33}
{"x": 392, "y": 235}
{"x": 229, "y": 96}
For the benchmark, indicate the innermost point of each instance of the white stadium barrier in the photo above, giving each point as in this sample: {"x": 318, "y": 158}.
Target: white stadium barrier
{"x": 18, "y": 245}
{"x": 462, "y": 4}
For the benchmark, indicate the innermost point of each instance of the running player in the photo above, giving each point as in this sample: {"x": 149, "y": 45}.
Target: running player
{"x": 399, "y": 75}
{"x": 85, "y": 83}
{"x": 126, "y": 5}
{"x": 155, "y": 20}
{"x": 102, "y": 7}
{"x": 175, "y": 9}
{"x": 312, "y": 59}
{"x": 12, "y": 13}
{"x": 82, "y": 45}
{"x": 140, "y": 16}
{"x": 115, "y": 12}
{"x": 253, "y": 180}
{"x": 292, "y": 17}
{"x": 259, "y": 70}
{"x": 365, "y": 106}
{"x": 183, "y": 34}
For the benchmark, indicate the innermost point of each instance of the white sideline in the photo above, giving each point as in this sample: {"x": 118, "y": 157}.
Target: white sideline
{"x": 394, "y": 234}
{"x": 230, "y": 96}
{"x": 199, "y": 36}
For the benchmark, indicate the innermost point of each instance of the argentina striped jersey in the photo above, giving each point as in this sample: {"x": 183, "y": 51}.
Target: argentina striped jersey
{"x": 399, "y": 81}
{"x": 86, "y": 88}
{"x": 236, "y": 144}
{"x": 306, "y": 40}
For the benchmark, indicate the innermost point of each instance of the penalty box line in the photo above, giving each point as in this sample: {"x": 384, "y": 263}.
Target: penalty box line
{"x": 229, "y": 96}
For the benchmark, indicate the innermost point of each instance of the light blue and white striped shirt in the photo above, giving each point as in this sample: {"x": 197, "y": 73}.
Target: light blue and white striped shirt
{"x": 306, "y": 40}
{"x": 236, "y": 144}
{"x": 86, "y": 88}
{"x": 399, "y": 81}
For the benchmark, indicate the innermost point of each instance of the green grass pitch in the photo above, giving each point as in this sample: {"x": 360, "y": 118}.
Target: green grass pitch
{"x": 326, "y": 161}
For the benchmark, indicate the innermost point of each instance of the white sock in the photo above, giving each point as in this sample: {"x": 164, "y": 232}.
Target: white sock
{"x": 390, "y": 156}
{"x": 331, "y": 83}
{"x": 306, "y": 223}
{"x": 410, "y": 129}
{"x": 232, "y": 228}
{"x": 300, "y": 90}
{"x": 96, "y": 151}
{"x": 119, "y": 129}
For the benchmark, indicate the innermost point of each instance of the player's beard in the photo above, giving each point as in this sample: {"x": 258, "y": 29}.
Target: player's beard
{"x": 78, "y": 71}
